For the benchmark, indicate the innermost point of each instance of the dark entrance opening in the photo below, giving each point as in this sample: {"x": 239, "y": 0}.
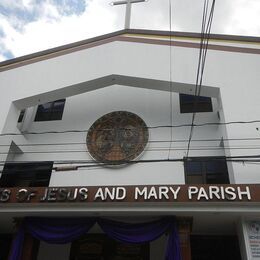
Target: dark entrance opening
{"x": 5, "y": 244}
{"x": 214, "y": 247}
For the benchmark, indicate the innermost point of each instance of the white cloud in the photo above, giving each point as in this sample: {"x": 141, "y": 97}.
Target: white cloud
{"x": 12, "y": 3}
{"x": 244, "y": 19}
{"x": 152, "y": 14}
{"x": 2, "y": 58}
{"x": 53, "y": 29}
{"x": 47, "y": 26}
{"x": 27, "y": 3}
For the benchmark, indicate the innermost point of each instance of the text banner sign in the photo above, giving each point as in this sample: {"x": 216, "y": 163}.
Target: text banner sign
{"x": 158, "y": 193}
{"x": 253, "y": 231}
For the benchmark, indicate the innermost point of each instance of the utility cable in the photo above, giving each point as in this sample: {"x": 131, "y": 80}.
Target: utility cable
{"x": 156, "y": 149}
{"x": 171, "y": 70}
{"x": 148, "y": 127}
{"x": 205, "y": 33}
{"x": 198, "y": 72}
{"x": 241, "y": 157}
{"x": 151, "y": 141}
{"x": 107, "y": 164}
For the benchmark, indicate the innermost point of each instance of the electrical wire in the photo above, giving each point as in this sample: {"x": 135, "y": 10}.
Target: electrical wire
{"x": 201, "y": 65}
{"x": 156, "y": 149}
{"x": 94, "y": 165}
{"x": 148, "y": 127}
{"x": 90, "y": 164}
{"x": 229, "y": 158}
{"x": 197, "y": 75}
{"x": 150, "y": 141}
{"x": 205, "y": 33}
{"x": 171, "y": 70}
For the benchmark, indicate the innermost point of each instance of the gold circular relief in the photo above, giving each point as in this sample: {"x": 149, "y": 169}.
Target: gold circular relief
{"x": 117, "y": 137}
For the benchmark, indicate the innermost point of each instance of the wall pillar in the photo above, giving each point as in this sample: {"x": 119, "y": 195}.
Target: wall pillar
{"x": 30, "y": 248}
{"x": 184, "y": 228}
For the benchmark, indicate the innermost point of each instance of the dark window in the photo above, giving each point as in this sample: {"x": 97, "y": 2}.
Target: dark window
{"x": 21, "y": 116}
{"x": 34, "y": 174}
{"x": 210, "y": 170}
{"x": 191, "y": 103}
{"x": 50, "y": 111}
{"x": 205, "y": 247}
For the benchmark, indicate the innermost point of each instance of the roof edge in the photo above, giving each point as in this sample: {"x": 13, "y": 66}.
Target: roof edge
{"x": 128, "y": 31}
{"x": 196, "y": 35}
{"x": 60, "y": 48}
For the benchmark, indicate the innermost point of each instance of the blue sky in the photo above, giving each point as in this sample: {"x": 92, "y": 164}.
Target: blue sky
{"x": 28, "y": 26}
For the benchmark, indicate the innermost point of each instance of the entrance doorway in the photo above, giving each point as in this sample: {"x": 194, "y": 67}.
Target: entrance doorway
{"x": 101, "y": 247}
{"x": 5, "y": 243}
{"x": 214, "y": 247}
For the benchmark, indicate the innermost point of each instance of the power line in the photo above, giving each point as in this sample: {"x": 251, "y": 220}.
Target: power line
{"x": 151, "y": 141}
{"x": 171, "y": 70}
{"x": 205, "y": 32}
{"x": 168, "y": 160}
{"x": 198, "y": 74}
{"x": 201, "y": 159}
{"x": 91, "y": 164}
{"x": 156, "y": 149}
{"x": 96, "y": 165}
{"x": 148, "y": 127}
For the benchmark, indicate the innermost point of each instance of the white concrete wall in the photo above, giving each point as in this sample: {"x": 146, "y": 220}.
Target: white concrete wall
{"x": 151, "y": 106}
{"x": 235, "y": 74}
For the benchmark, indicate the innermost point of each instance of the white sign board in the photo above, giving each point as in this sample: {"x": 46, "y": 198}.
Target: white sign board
{"x": 253, "y": 231}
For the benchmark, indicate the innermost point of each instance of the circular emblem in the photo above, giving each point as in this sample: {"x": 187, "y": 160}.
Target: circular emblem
{"x": 117, "y": 137}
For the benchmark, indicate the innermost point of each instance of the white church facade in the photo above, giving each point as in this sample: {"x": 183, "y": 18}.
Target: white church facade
{"x": 102, "y": 129}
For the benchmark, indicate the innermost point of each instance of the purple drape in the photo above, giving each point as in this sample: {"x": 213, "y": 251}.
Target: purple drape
{"x": 173, "y": 250}
{"x": 17, "y": 245}
{"x": 60, "y": 231}
{"x": 50, "y": 230}
{"x": 145, "y": 232}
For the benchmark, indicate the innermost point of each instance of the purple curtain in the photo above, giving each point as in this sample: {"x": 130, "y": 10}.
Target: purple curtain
{"x": 60, "y": 231}
{"x": 56, "y": 230}
{"x": 145, "y": 232}
{"x": 173, "y": 250}
{"x": 17, "y": 245}
{"x": 50, "y": 230}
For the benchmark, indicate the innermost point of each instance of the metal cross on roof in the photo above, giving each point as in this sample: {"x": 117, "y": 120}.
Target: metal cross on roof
{"x": 128, "y": 4}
